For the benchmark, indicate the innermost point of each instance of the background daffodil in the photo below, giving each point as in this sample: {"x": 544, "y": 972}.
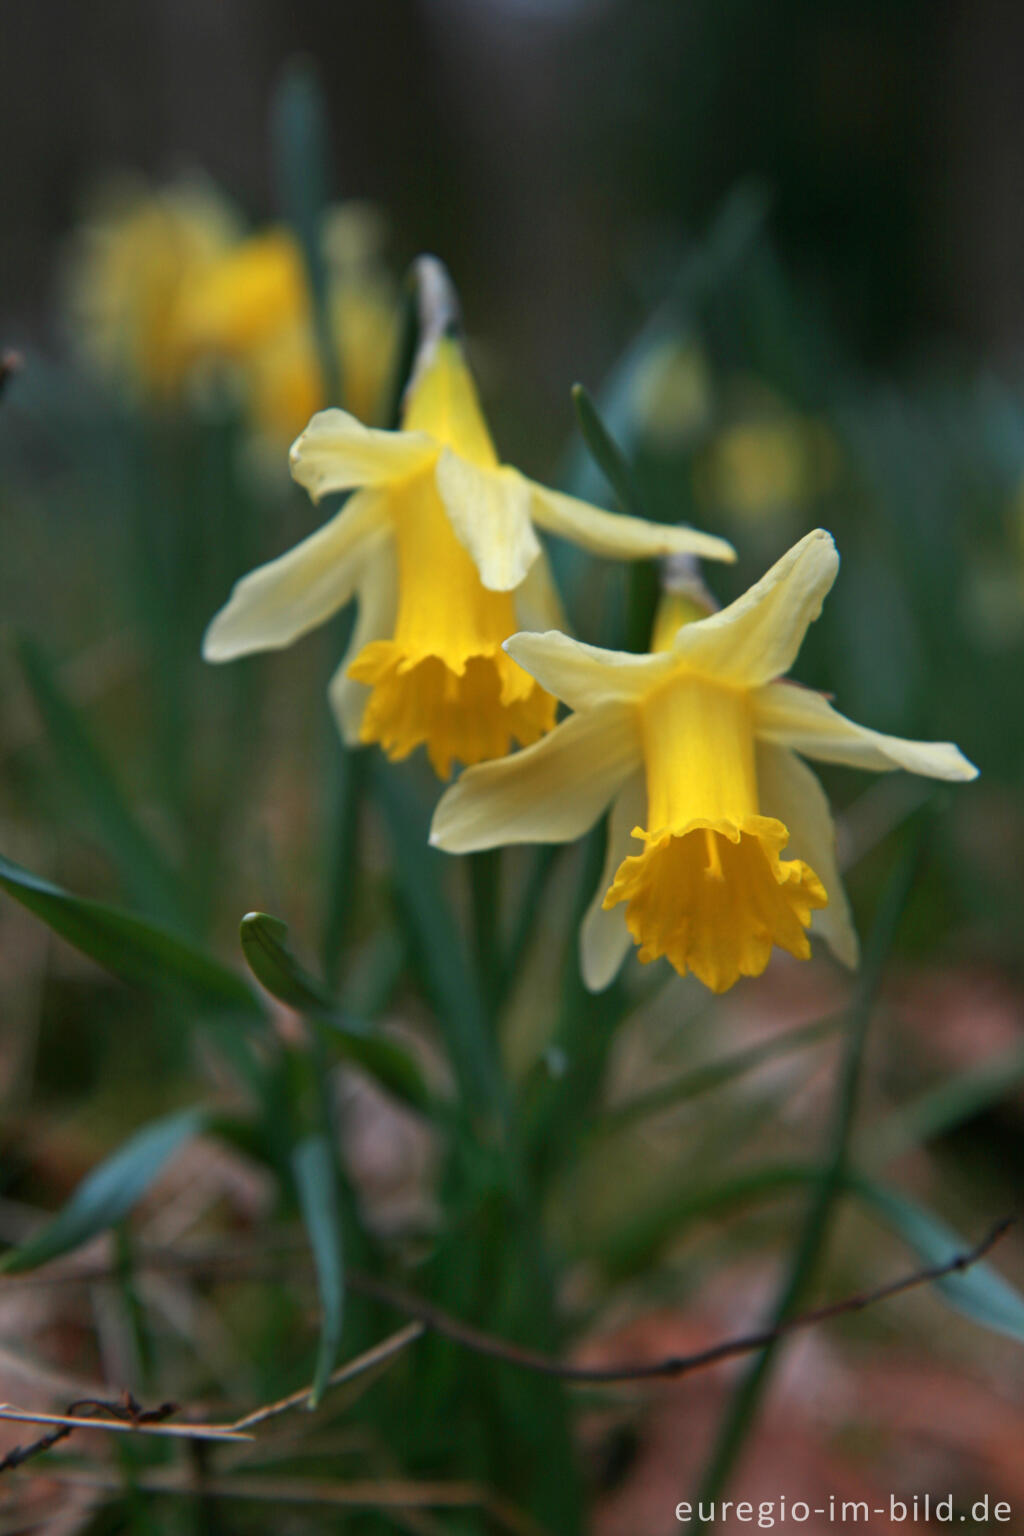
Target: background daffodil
{"x": 695, "y": 747}
{"x": 253, "y": 307}
{"x": 161, "y": 283}
{"x": 129, "y": 269}
{"x": 440, "y": 549}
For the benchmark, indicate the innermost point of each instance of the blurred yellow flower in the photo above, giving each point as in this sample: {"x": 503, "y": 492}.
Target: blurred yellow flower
{"x": 762, "y": 467}
{"x": 130, "y": 264}
{"x": 439, "y": 548}
{"x": 254, "y": 308}
{"x": 694, "y": 746}
{"x": 163, "y": 281}
{"x": 673, "y": 393}
{"x": 767, "y": 460}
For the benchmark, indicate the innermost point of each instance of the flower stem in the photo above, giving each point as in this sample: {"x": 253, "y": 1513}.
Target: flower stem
{"x": 485, "y": 916}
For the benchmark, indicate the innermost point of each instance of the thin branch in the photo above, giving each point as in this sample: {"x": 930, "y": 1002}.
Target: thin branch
{"x": 96, "y": 1413}
{"x": 675, "y": 1365}
{"x": 425, "y": 1316}
{"x": 368, "y": 1361}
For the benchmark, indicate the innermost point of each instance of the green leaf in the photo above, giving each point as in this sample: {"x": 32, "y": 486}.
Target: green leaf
{"x": 136, "y": 951}
{"x": 109, "y": 1193}
{"x": 713, "y": 1074}
{"x": 313, "y": 1168}
{"x": 146, "y": 873}
{"x": 606, "y": 453}
{"x": 300, "y": 143}
{"x": 946, "y": 1105}
{"x": 272, "y": 962}
{"x": 634, "y": 1247}
{"x": 980, "y": 1292}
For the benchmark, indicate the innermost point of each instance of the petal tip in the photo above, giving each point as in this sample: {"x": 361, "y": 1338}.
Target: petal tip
{"x": 215, "y": 646}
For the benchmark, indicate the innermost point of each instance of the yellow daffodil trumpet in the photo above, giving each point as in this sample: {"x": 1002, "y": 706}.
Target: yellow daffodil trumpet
{"x": 697, "y": 748}
{"x": 439, "y": 547}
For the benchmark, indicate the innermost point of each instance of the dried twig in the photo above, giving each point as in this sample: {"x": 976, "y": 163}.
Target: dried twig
{"x": 123, "y": 1416}
{"x": 368, "y": 1361}
{"x": 675, "y": 1365}
{"x": 425, "y": 1316}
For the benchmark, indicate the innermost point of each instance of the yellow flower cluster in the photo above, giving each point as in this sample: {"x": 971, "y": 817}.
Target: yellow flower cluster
{"x": 161, "y": 283}
{"x": 721, "y": 844}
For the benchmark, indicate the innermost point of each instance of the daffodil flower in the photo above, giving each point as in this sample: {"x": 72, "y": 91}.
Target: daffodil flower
{"x": 129, "y": 268}
{"x": 697, "y": 748}
{"x": 253, "y": 306}
{"x": 440, "y": 549}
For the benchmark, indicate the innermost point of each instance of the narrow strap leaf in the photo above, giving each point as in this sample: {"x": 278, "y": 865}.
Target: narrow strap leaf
{"x": 313, "y": 1168}
{"x": 109, "y": 1192}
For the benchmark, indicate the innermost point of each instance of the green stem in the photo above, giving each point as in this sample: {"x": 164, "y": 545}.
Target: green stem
{"x": 347, "y": 790}
{"x": 711, "y": 1075}
{"x": 528, "y": 914}
{"x": 742, "y": 1410}
{"x": 582, "y": 1039}
{"x": 300, "y": 139}
{"x": 485, "y": 917}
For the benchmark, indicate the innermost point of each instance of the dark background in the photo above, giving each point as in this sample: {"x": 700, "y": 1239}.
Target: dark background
{"x": 554, "y": 150}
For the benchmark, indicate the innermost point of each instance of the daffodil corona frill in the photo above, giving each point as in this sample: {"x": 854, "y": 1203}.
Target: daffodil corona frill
{"x": 439, "y": 547}
{"x": 697, "y": 748}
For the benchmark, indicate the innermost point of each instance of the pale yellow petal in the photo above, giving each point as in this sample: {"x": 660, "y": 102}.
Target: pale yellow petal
{"x": 551, "y": 792}
{"x": 377, "y": 596}
{"x": 789, "y": 791}
{"x": 617, "y": 537}
{"x": 489, "y": 510}
{"x": 538, "y": 604}
{"x": 805, "y": 721}
{"x": 605, "y": 940}
{"x": 585, "y": 675}
{"x": 278, "y": 602}
{"x": 758, "y": 636}
{"x": 442, "y": 401}
{"x": 337, "y": 453}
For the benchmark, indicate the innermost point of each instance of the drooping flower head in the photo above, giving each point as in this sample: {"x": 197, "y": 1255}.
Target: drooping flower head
{"x": 695, "y": 747}
{"x": 439, "y": 546}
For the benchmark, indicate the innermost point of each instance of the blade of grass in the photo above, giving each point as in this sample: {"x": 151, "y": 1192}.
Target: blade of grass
{"x": 712, "y": 1075}
{"x": 528, "y": 914}
{"x": 485, "y": 890}
{"x": 91, "y": 778}
{"x": 946, "y": 1106}
{"x": 347, "y": 777}
{"x": 109, "y": 1193}
{"x": 300, "y": 140}
{"x": 137, "y": 952}
{"x": 606, "y": 453}
{"x": 264, "y": 944}
{"x": 316, "y": 1186}
{"x": 979, "y": 1292}
{"x": 448, "y": 978}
